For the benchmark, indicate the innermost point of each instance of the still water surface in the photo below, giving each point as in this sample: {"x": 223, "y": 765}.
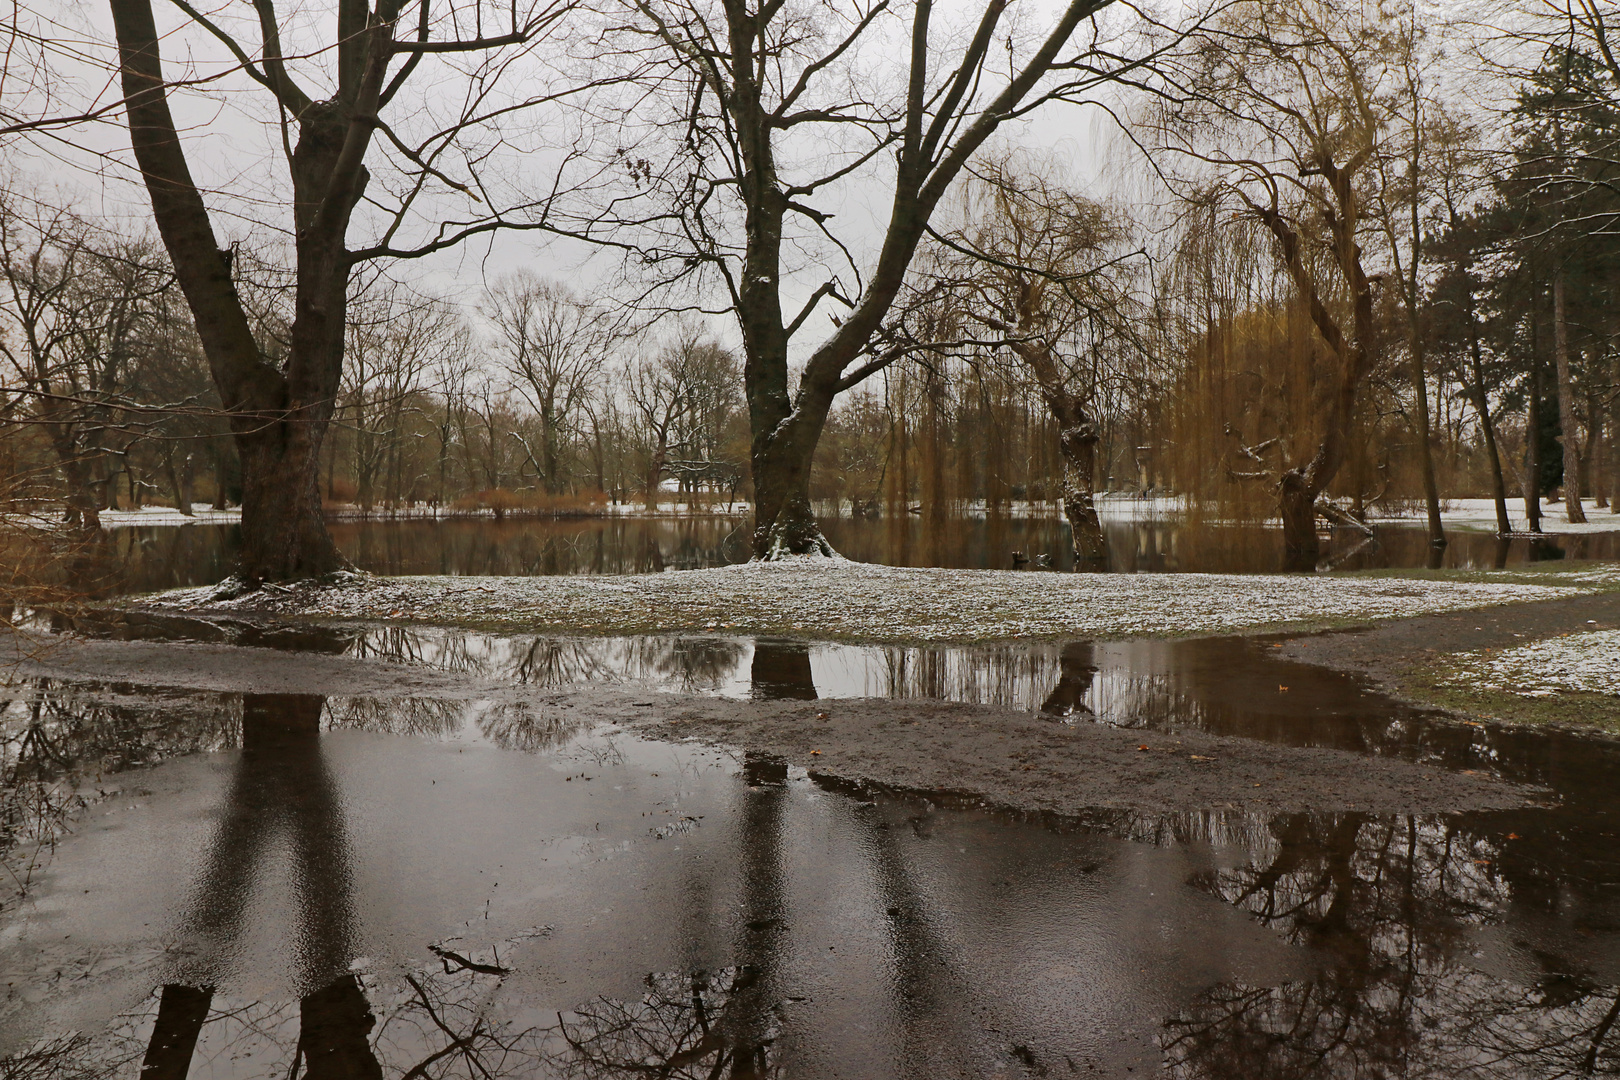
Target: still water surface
{"x": 448, "y": 889}
{"x": 156, "y": 557}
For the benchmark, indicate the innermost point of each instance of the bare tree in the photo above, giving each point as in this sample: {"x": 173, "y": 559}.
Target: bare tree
{"x": 679, "y": 397}
{"x": 1281, "y": 103}
{"x": 280, "y": 406}
{"x": 80, "y": 310}
{"x": 1405, "y": 189}
{"x": 554, "y": 346}
{"x": 1032, "y": 266}
{"x": 774, "y": 109}
{"x": 393, "y": 341}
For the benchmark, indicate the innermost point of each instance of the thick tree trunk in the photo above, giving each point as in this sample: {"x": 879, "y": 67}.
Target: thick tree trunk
{"x": 1077, "y": 443}
{"x": 784, "y": 523}
{"x": 180, "y": 482}
{"x": 284, "y": 535}
{"x": 1297, "y": 501}
{"x": 655, "y": 471}
{"x": 1566, "y": 407}
{"x": 278, "y": 411}
{"x": 83, "y": 508}
{"x": 1614, "y": 438}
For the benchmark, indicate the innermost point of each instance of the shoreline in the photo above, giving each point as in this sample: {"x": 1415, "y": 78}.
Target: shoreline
{"x": 864, "y": 603}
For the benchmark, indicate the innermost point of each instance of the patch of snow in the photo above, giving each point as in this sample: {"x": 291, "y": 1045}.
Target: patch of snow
{"x": 202, "y": 514}
{"x": 1480, "y": 515}
{"x": 1584, "y": 663}
{"x": 833, "y": 599}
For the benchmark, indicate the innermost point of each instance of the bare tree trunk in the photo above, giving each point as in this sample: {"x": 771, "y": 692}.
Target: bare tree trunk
{"x": 83, "y": 508}
{"x": 784, "y": 523}
{"x": 655, "y": 471}
{"x": 1532, "y": 449}
{"x": 1614, "y": 435}
{"x": 1596, "y": 457}
{"x": 1431, "y": 491}
{"x": 1482, "y": 406}
{"x": 180, "y": 477}
{"x": 1302, "y": 548}
{"x": 1566, "y": 407}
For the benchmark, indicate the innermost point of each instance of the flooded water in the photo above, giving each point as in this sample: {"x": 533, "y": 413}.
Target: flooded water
{"x": 156, "y": 557}
{"x": 250, "y": 886}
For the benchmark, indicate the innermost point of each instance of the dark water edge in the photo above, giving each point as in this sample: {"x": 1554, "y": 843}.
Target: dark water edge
{"x": 148, "y": 558}
{"x": 472, "y": 890}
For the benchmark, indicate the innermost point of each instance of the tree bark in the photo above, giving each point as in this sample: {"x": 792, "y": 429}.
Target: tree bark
{"x": 1614, "y": 436}
{"x": 1077, "y": 447}
{"x": 83, "y": 508}
{"x": 1566, "y": 407}
{"x": 1077, "y": 442}
{"x": 784, "y": 522}
{"x": 1302, "y": 548}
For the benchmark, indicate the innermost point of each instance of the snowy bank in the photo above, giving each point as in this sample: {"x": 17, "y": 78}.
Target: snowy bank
{"x": 1479, "y": 515}
{"x": 201, "y": 514}
{"x": 839, "y": 600}
{"x": 1573, "y": 663}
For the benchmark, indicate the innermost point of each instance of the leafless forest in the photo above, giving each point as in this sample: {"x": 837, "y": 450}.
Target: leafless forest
{"x": 1282, "y": 259}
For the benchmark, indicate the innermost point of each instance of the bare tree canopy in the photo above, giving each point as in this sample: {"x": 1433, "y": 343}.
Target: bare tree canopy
{"x": 281, "y": 393}
{"x": 748, "y": 124}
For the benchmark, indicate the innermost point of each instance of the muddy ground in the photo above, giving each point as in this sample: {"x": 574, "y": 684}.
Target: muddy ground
{"x": 1005, "y": 758}
{"x": 1408, "y": 658}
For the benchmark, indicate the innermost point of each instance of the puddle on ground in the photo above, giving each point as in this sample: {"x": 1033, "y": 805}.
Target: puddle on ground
{"x": 225, "y": 886}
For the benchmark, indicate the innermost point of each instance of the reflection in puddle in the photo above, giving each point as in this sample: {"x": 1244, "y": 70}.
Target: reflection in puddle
{"x": 363, "y": 888}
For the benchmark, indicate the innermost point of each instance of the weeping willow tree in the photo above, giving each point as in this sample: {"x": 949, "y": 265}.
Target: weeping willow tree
{"x": 1252, "y": 370}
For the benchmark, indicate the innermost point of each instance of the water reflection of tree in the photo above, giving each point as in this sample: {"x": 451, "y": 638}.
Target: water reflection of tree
{"x": 527, "y": 728}
{"x": 52, "y": 735}
{"x": 780, "y": 670}
{"x": 685, "y": 1026}
{"x": 51, "y": 729}
{"x": 429, "y": 717}
{"x": 690, "y": 663}
{"x": 281, "y": 789}
{"x": 1389, "y": 901}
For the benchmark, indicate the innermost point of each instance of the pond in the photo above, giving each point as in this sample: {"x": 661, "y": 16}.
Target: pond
{"x": 434, "y": 888}
{"x": 147, "y": 558}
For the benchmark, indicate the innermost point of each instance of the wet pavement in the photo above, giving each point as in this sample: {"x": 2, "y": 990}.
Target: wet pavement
{"x": 225, "y": 885}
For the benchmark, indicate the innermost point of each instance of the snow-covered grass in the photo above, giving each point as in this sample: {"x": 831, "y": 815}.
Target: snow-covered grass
{"x": 832, "y": 599}
{"x": 1574, "y": 663}
{"x": 1479, "y": 515}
